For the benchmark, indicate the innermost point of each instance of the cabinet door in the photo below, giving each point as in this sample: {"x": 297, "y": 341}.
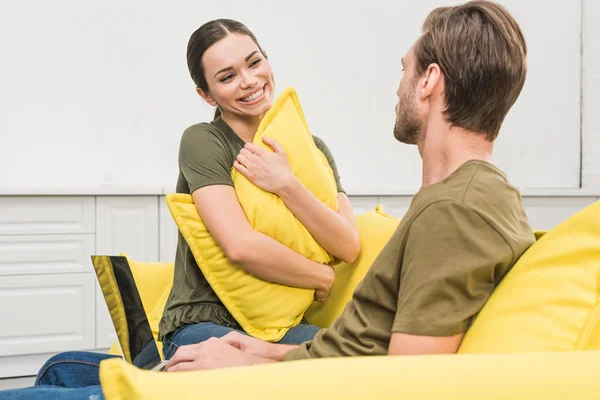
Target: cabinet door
{"x": 125, "y": 224}
{"x": 128, "y": 224}
{"x": 46, "y": 313}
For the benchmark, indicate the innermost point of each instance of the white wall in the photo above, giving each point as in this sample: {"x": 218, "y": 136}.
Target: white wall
{"x": 98, "y": 92}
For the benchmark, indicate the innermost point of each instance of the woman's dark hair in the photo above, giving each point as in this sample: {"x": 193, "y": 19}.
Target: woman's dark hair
{"x": 203, "y": 38}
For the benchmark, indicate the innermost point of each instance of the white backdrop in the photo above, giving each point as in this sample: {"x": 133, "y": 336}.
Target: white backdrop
{"x": 98, "y": 92}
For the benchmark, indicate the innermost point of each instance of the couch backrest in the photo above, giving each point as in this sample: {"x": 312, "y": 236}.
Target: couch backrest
{"x": 549, "y": 301}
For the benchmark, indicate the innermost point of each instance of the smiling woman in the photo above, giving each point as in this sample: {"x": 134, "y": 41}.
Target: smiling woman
{"x": 231, "y": 72}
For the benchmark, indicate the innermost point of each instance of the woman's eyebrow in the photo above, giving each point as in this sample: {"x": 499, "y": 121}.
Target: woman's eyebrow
{"x": 230, "y": 68}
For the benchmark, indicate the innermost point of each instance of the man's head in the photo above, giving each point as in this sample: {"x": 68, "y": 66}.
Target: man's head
{"x": 469, "y": 66}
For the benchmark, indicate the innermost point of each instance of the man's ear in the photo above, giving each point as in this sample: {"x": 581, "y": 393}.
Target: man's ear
{"x": 207, "y": 97}
{"x": 431, "y": 81}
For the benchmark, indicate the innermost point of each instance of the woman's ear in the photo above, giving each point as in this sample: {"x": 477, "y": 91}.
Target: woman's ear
{"x": 207, "y": 97}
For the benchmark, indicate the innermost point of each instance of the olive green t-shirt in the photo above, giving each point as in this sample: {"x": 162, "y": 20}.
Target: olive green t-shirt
{"x": 456, "y": 242}
{"x": 206, "y": 155}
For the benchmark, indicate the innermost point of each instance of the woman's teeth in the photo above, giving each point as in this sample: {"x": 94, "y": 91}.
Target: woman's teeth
{"x": 254, "y": 96}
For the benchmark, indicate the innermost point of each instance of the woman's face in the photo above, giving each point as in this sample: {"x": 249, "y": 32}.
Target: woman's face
{"x": 239, "y": 77}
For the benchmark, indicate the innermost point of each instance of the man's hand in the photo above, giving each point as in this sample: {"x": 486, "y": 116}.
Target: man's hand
{"x": 250, "y": 345}
{"x": 211, "y": 354}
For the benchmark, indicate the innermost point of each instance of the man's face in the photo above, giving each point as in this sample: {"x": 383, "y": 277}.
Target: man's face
{"x": 408, "y": 128}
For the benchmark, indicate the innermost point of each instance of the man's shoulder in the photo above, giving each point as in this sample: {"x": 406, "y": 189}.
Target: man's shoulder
{"x": 489, "y": 193}
{"x": 478, "y": 188}
{"x": 476, "y": 184}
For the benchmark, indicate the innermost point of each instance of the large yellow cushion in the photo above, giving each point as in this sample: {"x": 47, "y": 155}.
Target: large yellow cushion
{"x": 265, "y": 310}
{"x": 375, "y": 228}
{"x": 549, "y": 301}
{"x": 540, "y": 376}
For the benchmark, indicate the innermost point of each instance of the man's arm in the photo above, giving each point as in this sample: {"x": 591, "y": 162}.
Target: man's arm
{"x": 406, "y": 344}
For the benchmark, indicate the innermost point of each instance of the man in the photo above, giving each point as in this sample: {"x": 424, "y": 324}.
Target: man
{"x": 465, "y": 228}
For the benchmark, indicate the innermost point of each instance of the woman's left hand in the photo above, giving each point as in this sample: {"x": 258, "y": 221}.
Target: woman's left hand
{"x": 269, "y": 171}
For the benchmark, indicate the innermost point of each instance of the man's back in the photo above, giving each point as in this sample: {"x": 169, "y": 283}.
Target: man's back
{"x": 457, "y": 241}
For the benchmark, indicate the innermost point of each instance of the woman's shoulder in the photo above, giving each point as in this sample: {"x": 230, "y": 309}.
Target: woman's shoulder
{"x": 204, "y": 132}
{"x": 202, "y": 129}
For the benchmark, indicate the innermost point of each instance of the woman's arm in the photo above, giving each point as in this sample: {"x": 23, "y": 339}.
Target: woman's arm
{"x": 335, "y": 231}
{"x": 257, "y": 253}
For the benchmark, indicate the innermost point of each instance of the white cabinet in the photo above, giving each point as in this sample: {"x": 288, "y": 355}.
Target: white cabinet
{"x": 50, "y": 300}
{"x": 46, "y": 313}
{"x": 125, "y": 224}
{"x": 128, "y": 224}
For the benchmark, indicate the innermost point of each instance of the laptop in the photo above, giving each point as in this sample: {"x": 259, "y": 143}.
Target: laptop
{"x": 127, "y": 312}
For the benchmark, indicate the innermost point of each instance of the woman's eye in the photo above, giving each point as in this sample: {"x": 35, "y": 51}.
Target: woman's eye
{"x": 226, "y": 78}
{"x": 255, "y": 62}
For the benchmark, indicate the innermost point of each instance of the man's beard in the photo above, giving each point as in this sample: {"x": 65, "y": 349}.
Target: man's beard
{"x": 408, "y": 127}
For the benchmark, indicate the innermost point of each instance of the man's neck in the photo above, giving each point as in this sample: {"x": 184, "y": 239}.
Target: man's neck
{"x": 445, "y": 149}
{"x": 245, "y": 128}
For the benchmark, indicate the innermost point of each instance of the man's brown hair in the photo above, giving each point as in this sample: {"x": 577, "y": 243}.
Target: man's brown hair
{"x": 482, "y": 52}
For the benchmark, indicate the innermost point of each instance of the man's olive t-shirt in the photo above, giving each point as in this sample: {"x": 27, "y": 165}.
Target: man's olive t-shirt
{"x": 206, "y": 155}
{"x": 456, "y": 242}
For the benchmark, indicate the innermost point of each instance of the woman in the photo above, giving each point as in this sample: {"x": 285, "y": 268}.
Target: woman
{"x": 232, "y": 73}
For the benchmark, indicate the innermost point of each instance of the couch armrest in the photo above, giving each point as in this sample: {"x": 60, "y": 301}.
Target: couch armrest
{"x": 474, "y": 376}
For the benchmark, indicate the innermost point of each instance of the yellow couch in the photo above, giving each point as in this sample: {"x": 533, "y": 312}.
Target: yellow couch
{"x": 538, "y": 337}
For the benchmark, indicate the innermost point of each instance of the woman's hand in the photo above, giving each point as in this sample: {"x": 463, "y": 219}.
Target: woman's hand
{"x": 268, "y": 170}
{"x": 321, "y": 294}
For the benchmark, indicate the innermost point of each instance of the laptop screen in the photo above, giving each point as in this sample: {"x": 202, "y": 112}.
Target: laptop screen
{"x": 136, "y": 336}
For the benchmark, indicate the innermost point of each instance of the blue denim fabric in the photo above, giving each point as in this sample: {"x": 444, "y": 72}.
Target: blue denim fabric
{"x": 69, "y": 376}
{"x": 197, "y": 333}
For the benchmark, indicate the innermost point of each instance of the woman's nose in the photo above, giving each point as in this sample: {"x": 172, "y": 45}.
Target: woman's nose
{"x": 248, "y": 80}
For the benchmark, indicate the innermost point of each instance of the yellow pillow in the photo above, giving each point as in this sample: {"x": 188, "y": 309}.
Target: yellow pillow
{"x": 375, "y": 229}
{"x": 266, "y": 212}
{"x": 264, "y": 310}
{"x": 549, "y": 301}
